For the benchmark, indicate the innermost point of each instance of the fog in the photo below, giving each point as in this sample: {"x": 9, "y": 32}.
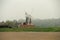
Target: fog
{"x": 42, "y": 9}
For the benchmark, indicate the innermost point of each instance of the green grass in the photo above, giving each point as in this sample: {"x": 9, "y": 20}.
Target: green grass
{"x": 50, "y": 29}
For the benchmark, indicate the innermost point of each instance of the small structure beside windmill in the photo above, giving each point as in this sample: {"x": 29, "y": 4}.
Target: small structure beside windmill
{"x": 28, "y": 22}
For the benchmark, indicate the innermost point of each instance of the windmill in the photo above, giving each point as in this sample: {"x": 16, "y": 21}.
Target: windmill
{"x": 28, "y": 18}
{"x": 28, "y": 21}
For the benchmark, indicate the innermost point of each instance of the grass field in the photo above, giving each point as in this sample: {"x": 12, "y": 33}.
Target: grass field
{"x": 50, "y": 29}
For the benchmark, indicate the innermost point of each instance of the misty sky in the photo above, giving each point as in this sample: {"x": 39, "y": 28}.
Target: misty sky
{"x": 42, "y": 9}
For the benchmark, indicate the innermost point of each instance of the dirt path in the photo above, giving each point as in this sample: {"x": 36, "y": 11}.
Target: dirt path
{"x": 29, "y": 35}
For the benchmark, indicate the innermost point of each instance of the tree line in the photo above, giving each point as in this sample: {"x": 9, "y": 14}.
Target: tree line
{"x": 36, "y": 22}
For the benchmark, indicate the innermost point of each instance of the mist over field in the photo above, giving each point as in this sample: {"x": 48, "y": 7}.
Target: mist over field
{"x": 29, "y": 19}
{"x": 41, "y": 9}
{"x": 44, "y": 13}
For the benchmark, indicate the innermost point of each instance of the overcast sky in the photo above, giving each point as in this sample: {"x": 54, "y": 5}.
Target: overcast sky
{"x": 42, "y": 9}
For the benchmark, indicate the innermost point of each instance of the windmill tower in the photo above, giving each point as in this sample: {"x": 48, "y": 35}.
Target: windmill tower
{"x": 28, "y": 19}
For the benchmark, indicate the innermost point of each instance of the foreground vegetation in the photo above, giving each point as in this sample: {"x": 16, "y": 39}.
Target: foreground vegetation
{"x": 50, "y": 29}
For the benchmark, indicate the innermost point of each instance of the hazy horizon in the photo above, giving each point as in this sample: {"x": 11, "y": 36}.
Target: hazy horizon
{"x": 41, "y": 9}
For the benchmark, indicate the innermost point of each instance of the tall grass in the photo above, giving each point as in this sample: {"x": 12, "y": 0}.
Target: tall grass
{"x": 50, "y": 29}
